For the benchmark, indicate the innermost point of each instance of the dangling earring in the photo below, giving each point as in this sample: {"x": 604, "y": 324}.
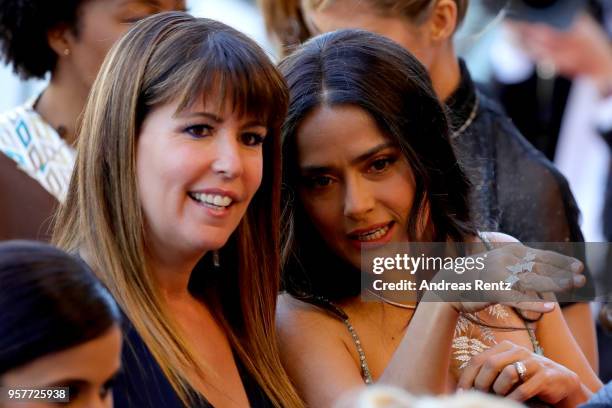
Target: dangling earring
{"x": 215, "y": 257}
{"x": 67, "y": 51}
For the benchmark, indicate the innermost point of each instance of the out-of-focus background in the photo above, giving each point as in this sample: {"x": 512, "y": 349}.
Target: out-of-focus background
{"x": 241, "y": 14}
{"x": 244, "y": 15}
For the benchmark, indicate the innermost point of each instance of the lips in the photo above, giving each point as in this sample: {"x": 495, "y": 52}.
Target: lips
{"x": 379, "y": 233}
{"x": 214, "y": 199}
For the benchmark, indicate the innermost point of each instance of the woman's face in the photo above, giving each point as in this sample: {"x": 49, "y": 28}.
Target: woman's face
{"x": 197, "y": 172}
{"x": 344, "y": 14}
{"x": 100, "y": 23}
{"x": 355, "y": 184}
{"x": 88, "y": 370}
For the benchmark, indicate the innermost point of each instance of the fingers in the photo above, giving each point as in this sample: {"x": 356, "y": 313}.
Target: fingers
{"x": 546, "y": 278}
{"x": 551, "y": 258}
{"x": 506, "y": 380}
{"x": 494, "y": 366}
{"x": 471, "y": 372}
{"x": 539, "y": 307}
{"x": 528, "y": 389}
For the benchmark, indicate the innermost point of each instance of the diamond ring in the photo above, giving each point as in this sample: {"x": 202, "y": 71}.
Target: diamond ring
{"x": 521, "y": 370}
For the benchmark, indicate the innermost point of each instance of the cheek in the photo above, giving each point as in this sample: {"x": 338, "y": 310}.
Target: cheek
{"x": 398, "y": 193}
{"x": 253, "y": 173}
{"x": 96, "y": 42}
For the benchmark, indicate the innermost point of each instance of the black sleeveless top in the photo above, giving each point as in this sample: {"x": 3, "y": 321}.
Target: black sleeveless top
{"x": 142, "y": 384}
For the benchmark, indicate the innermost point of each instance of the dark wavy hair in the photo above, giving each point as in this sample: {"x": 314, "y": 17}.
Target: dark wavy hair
{"x": 50, "y": 301}
{"x": 24, "y": 25}
{"x": 358, "y": 68}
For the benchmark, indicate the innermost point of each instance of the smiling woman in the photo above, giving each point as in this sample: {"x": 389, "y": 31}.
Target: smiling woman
{"x": 175, "y": 203}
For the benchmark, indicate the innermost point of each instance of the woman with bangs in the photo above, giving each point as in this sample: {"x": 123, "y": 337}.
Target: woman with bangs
{"x": 367, "y": 162}
{"x": 175, "y": 205}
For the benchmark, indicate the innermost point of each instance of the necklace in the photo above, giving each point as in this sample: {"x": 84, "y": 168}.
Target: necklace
{"x": 392, "y": 303}
{"x": 469, "y": 120}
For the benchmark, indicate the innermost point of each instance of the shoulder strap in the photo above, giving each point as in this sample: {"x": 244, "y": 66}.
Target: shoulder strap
{"x": 485, "y": 240}
{"x": 341, "y": 314}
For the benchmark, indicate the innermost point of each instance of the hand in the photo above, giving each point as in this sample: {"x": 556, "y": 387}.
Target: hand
{"x": 583, "y": 50}
{"x": 535, "y": 272}
{"x": 494, "y": 370}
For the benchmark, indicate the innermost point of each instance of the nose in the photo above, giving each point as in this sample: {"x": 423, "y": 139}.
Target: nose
{"x": 228, "y": 160}
{"x": 358, "y": 199}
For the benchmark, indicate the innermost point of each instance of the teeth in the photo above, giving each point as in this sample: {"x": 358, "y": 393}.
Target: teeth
{"x": 213, "y": 199}
{"x": 373, "y": 235}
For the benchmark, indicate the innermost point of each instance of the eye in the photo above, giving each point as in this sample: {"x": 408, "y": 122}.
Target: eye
{"x": 74, "y": 391}
{"x": 252, "y": 139}
{"x": 107, "y": 388}
{"x": 318, "y": 182}
{"x": 199, "y": 131}
{"x": 381, "y": 164}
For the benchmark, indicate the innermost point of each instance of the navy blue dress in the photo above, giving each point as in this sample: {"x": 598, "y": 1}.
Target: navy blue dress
{"x": 142, "y": 384}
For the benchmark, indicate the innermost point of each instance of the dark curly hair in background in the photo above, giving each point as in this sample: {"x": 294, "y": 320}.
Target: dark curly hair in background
{"x": 24, "y": 25}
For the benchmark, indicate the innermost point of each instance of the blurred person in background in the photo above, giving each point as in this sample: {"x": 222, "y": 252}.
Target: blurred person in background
{"x": 66, "y": 40}
{"x": 59, "y": 327}
{"x": 516, "y": 189}
{"x": 565, "y": 75}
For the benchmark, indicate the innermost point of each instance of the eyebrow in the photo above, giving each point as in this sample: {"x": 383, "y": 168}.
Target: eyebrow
{"x": 154, "y": 3}
{"x": 217, "y": 119}
{"x": 68, "y": 382}
{"x": 359, "y": 159}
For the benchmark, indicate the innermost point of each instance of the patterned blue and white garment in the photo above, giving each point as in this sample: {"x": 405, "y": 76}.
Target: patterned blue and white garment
{"x": 37, "y": 148}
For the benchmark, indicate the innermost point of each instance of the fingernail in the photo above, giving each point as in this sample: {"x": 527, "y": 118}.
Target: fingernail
{"x": 549, "y": 305}
{"x": 579, "y": 279}
{"x": 460, "y": 390}
{"x": 576, "y": 266}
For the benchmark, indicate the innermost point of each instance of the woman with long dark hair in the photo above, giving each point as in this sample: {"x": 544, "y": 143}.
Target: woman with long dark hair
{"x": 496, "y": 158}
{"x": 367, "y": 160}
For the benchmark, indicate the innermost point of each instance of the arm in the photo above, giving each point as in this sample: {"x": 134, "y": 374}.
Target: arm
{"x": 579, "y": 321}
{"x": 564, "y": 377}
{"x": 578, "y": 317}
{"x": 560, "y": 346}
{"x": 315, "y": 349}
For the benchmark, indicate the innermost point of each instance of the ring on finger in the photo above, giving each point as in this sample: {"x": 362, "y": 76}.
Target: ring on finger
{"x": 521, "y": 370}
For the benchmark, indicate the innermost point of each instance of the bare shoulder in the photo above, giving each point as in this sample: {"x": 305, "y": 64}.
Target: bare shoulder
{"x": 297, "y": 317}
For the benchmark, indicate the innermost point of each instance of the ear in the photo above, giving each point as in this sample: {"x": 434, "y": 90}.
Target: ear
{"x": 443, "y": 20}
{"x": 59, "y": 40}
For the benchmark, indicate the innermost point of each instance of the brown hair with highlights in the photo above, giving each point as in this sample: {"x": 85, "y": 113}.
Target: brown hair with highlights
{"x": 165, "y": 58}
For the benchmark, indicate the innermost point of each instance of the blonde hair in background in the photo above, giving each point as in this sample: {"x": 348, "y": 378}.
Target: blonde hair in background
{"x": 164, "y": 58}
{"x": 285, "y": 20}
{"x": 413, "y": 10}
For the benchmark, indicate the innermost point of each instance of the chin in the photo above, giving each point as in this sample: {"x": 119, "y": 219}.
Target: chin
{"x": 208, "y": 242}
